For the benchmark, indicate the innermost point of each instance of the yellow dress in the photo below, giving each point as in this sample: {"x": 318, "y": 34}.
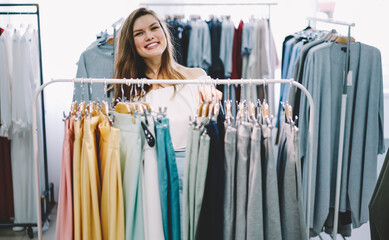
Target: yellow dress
{"x": 90, "y": 183}
{"x": 77, "y": 178}
{"x": 112, "y": 205}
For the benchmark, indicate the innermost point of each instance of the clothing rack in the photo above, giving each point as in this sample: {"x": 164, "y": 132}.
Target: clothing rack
{"x": 169, "y": 81}
{"x": 342, "y": 117}
{"x": 47, "y": 198}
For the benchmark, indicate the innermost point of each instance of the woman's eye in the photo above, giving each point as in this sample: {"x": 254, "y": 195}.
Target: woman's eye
{"x": 138, "y": 34}
{"x": 154, "y": 28}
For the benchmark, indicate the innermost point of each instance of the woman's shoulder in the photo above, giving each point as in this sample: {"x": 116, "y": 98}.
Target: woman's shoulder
{"x": 191, "y": 73}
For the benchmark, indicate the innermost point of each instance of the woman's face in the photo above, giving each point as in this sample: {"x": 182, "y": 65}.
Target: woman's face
{"x": 149, "y": 38}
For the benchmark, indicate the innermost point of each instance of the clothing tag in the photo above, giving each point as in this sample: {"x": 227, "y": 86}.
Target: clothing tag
{"x": 350, "y": 78}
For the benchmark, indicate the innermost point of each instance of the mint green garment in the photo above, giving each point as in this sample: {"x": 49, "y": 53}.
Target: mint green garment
{"x": 185, "y": 200}
{"x": 201, "y": 176}
{"x": 131, "y": 147}
{"x": 192, "y": 178}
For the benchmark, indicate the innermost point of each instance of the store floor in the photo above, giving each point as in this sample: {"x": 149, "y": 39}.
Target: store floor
{"x": 49, "y": 234}
{"x": 362, "y": 233}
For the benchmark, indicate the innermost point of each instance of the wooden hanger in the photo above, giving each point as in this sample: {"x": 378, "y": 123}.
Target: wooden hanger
{"x": 343, "y": 39}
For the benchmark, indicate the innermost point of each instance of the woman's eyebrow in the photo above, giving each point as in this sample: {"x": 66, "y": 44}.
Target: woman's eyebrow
{"x": 138, "y": 30}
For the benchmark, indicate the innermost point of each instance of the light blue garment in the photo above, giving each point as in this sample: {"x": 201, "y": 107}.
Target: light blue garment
{"x": 271, "y": 207}
{"x": 199, "y": 48}
{"x": 131, "y": 147}
{"x": 254, "y": 195}
{"x": 323, "y": 77}
{"x": 287, "y": 54}
{"x": 229, "y": 192}
{"x": 168, "y": 181}
{"x": 247, "y": 39}
{"x": 95, "y": 62}
{"x": 284, "y": 96}
{"x": 226, "y": 46}
{"x": 242, "y": 176}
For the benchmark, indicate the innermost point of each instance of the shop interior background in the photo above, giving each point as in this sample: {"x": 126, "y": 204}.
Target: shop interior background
{"x": 69, "y": 27}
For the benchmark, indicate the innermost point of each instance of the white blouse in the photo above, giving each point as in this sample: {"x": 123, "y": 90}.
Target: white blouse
{"x": 179, "y": 107}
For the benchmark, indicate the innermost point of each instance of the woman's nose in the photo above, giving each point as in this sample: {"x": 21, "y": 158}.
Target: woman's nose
{"x": 149, "y": 35}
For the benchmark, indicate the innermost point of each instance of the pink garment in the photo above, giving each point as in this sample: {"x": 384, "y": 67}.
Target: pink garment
{"x": 64, "y": 230}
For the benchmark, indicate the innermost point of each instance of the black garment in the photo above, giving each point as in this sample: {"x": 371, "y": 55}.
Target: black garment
{"x": 6, "y": 188}
{"x": 176, "y": 27}
{"x": 378, "y": 206}
{"x": 211, "y": 215}
{"x": 185, "y": 43}
{"x": 217, "y": 68}
{"x": 344, "y": 223}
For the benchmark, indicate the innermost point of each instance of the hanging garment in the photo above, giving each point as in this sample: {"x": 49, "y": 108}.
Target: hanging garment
{"x": 378, "y": 208}
{"x": 192, "y": 166}
{"x": 210, "y": 225}
{"x": 21, "y": 146}
{"x": 152, "y": 213}
{"x": 237, "y": 58}
{"x": 6, "y": 190}
{"x": 77, "y": 149}
{"x": 112, "y": 205}
{"x": 64, "y": 227}
{"x": 242, "y": 176}
{"x": 254, "y": 191}
{"x": 196, "y": 164}
{"x": 236, "y": 53}
{"x": 185, "y": 198}
{"x": 131, "y": 146}
{"x": 295, "y": 94}
{"x": 216, "y": 70}
{"x": 176, "y": 27}
{"x": 199, "y": 49}
{"x": 359, "y": 153}
{"x": 185, "y": 43}
{"x": 200, "y": 184}
{"x": 229, "y": 192}
{"x": 5, "y": 82}
{"x": 90, "y": 182}
{"x": 271, "y": 211}
{"x": 289, "y": 185}
{"x": 168, "y": 181}
{"x": 95, "y": 62}
{"x": 226, "y": 46}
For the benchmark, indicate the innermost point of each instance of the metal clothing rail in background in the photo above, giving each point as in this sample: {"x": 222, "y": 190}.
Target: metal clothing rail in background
{"x": 47, "y": 198}
{"x": 342, "y": 117}
{"x": 167, "y": 81}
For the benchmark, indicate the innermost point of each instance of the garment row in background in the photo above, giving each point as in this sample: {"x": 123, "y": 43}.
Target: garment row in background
{"x": 222, "y": 50}
{"x": 319, "y": 65}
{"x": 19, "y": 78}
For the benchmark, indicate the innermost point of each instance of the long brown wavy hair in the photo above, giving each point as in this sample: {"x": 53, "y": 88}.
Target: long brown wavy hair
{"x": 129, "y": 64}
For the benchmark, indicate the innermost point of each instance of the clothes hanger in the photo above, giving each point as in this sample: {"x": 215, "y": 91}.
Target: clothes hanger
{"x": 343, "y": 39}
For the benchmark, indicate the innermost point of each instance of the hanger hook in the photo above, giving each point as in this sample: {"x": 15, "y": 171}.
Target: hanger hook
{"x": 264, "y": 89}
{"x": 105, "y": 89}
{"x": 90, "y": 90}
{"x": 74, "y": 89}
{"x": 121, "y": 87}
{"x": 82, "y": 89}
{"x": 131, "y": 91}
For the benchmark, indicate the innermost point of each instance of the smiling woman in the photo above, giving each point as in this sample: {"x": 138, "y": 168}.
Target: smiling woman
{"x": 145, "y": 50}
